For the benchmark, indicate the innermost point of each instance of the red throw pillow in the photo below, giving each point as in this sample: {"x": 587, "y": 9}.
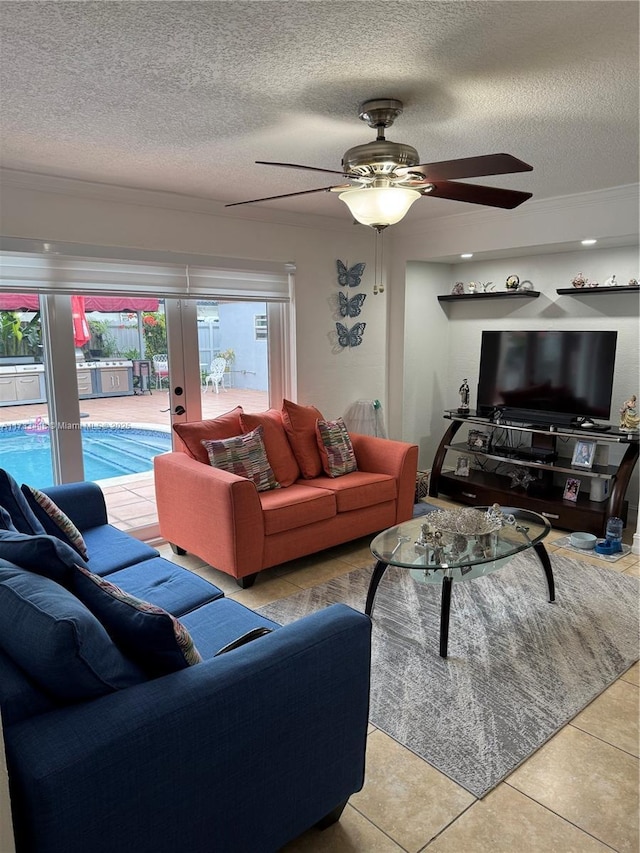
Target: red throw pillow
{"x": 279, "y": 452}
{"x": 191, "y": 434}
{"x": 300, "y": 426}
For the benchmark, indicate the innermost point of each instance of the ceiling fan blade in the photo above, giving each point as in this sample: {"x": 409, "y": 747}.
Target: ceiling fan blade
{"x": 284, "y": 195}
{"x": 470, "y": 167}
{"x": 476, "y": 194}
{"x": 306, "y": 168}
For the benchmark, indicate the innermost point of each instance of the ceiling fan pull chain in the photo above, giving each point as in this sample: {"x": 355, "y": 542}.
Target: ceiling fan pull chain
{"x": 378, "y": 287}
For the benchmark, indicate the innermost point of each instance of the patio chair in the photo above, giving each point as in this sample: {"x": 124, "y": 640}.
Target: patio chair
{"x": 161, "y": 368}
{"x": 216, "y": 374}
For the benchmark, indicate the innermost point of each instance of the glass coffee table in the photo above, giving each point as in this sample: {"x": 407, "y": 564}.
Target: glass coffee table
{"x": 458, "y": 545}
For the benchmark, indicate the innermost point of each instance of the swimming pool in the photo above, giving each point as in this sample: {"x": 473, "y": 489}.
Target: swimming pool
{"x": 108, "y": 452}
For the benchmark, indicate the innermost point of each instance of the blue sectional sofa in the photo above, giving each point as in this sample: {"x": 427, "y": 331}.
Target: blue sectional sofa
{"x": 112, "y": 748}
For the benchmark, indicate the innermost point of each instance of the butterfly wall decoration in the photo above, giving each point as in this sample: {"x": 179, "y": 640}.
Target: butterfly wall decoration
{"x": 350, "y": 306}
{"x": 350, "y": 277}
{"x": 350, "y": 337}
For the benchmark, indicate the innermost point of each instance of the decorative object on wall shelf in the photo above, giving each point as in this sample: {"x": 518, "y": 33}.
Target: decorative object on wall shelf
{"x": 486, "y": 286}
{"x": 350, "y": 337}
{"x": 579, "y": 280}
{"x": 463, "y": 390}
{"x": 611, "y": 281}
{"x": 571, "y": 489}
{"x": 525, "y": 285}
{"x": 458, "y": 288}
{"x": 521, "y": 478}
{"x": 512, "y": 282}
{"x": 583, "y": 454}
{"x": 350, "y": 277}
{"x": 633, "y": 282}
{"x": 629, "y": 420}
{"x": 472, "y": 287}
{"x": 350, "y": 306}
{"x": 593, "y": 283}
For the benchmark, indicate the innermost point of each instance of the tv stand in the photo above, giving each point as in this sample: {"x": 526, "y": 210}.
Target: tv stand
{"x": 492, "y": 483}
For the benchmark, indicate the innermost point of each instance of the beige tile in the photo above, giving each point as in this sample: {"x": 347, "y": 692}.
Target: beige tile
{"x": 121, "y": 499}
{"x": 590, "y": 783}
{"x": 132, "y": 511}
{"x": 323, "y": 571}
{"x": 502, "y": 821}
{"x": 263, "y": 593}
{"x": 632, "y": 675}
{"x": 352, "y": 834}
{"x": 633, "y": 571}
{"x": 405, "y": 797}
{"x": 613, "y": 716}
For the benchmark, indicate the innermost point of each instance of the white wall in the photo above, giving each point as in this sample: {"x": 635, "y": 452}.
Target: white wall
{"x": 74, "y": 211}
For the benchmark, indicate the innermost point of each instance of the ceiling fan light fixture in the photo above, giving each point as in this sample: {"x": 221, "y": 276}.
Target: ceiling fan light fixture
{"x": 379, "y": 206}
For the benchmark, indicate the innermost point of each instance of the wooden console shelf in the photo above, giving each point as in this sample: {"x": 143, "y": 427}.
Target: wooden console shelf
{"x": 489, "y": 486}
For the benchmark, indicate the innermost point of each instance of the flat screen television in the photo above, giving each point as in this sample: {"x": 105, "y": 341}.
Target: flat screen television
{"x": 546, "y": 377}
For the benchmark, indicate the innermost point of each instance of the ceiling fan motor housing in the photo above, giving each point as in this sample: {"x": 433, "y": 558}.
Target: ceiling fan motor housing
{"x": 379, "y": 157}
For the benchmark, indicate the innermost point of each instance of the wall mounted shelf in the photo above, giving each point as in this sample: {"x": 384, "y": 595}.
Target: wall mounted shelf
{"x": 592, "y": 291}
{"x": 515, "y": 294}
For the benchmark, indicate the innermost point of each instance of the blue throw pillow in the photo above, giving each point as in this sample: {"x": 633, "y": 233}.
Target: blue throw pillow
{"x": 46, "y": 555}
{"x": 57, "y": 641}
{"x": 5, "y": 520}
{"x": 147, "y": 634}
{"x": 12, "y": 499}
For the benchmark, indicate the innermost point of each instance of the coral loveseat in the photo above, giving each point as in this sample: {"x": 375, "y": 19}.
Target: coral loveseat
{"x": 226, "y": 521}
{"x": 240, "y": 752}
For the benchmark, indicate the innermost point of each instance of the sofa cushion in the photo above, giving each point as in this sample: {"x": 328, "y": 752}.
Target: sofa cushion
{"x": 20, "y": 696}
{"x": 166, "y": 585}
{"x": 295, "y": 506}
{"x": 112, "y": 549}
{"x": 219, "y": 623}
{"x": 279, "y": 452}
{"x": 300, "y": 426}
{"x": 147, "y": 634}
{"x": 55, "y": 639}
{"x": 15, "y": 503}
{"x": 40, "y": 553}
{"x": 357, "y": 490}
{"x": 244, "y": 455}
{"x": 5, "y": 520}
{"x": 193, "y": 433}
{"x": 54, "y": 520}
{"x": 336, "y": 450}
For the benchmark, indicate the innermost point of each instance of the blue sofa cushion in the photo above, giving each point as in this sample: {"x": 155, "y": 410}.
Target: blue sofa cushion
{"x": 20, "y": 697}
{"x": 46, "y": 555}
{"x": 217, "y": 624}
{"x": 57, "y": 641}
{"x": 111, "y": 549}
{"x": 12, "y": 499}
{"x": 5, "y": 520}
{"x": 54, "y": 520}
{"x": 155, "y": 639}
{"x": 166, "y": 585}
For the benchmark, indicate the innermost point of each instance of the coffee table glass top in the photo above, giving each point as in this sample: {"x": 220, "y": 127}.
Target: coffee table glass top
{"x": 461, "y": 543}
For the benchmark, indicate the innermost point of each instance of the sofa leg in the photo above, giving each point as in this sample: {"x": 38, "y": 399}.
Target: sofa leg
{"x": 333, "y": 816}
{"x": 177, "y": 550}
{"x": 247, "y": 580}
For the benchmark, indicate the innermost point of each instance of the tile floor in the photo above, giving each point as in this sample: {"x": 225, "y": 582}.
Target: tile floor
{"x": 577, "y": 794}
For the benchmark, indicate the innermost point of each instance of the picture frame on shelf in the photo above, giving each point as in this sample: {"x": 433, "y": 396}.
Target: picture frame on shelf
{"x": 571, "y": 489}
{"x": 462, "y": 466}
{"x": 583, "y": 453}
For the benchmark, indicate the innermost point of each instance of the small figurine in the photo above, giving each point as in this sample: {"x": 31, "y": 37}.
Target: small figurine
{"x": 486, "y": 286}
{"x": 593, "y": 283}
{"x": 629, "y": 419}
{"x": 463, "y": 390}
{"x": 611, "y": 281}
{"x": 578, "y": 280}
{"x": 512, "y": 282}
{"x": 633, "y": 282}
{"x": 472, "y": 287}
{"x": 458, "y": 288}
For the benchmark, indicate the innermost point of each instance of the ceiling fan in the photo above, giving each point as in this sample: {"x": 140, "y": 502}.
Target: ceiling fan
{"x": 384, "y": 178}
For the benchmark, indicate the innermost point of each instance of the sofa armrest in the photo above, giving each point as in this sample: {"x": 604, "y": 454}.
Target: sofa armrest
{"x": 83, "y": 502}
{"x": 209, "y": 512}
{"x": 242, "y": 752}
{"x": 397, "y": 458}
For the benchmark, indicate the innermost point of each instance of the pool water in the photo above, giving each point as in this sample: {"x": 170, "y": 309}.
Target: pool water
{"x": 108, "y": 452}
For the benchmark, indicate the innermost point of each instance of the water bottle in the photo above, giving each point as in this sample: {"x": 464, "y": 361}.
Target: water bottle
{"x": 614, "y": 533}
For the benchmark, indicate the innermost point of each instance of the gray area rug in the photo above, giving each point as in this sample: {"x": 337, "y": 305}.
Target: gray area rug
{"x": 518, "y": 669}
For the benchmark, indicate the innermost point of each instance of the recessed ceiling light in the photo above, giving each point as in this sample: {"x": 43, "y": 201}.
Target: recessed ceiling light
{"x": 467, "y": 255}
{"x": 589, "y": 242}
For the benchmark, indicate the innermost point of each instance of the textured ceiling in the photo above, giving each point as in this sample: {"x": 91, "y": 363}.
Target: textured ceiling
{"x": 184, "y": 96}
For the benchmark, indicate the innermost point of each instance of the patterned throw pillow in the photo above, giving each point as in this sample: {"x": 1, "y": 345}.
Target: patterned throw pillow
{"x": 54, "y": 520}
{"x": 335, "y": 446}
{"x": 148, "y": 635}
{"x": 244, "y": 455}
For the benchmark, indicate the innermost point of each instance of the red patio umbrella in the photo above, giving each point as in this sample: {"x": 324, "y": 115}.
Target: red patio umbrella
{"x": 81, "y": 333}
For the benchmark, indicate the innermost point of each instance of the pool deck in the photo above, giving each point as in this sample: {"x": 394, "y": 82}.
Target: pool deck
{"x": 131, "y": 499}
